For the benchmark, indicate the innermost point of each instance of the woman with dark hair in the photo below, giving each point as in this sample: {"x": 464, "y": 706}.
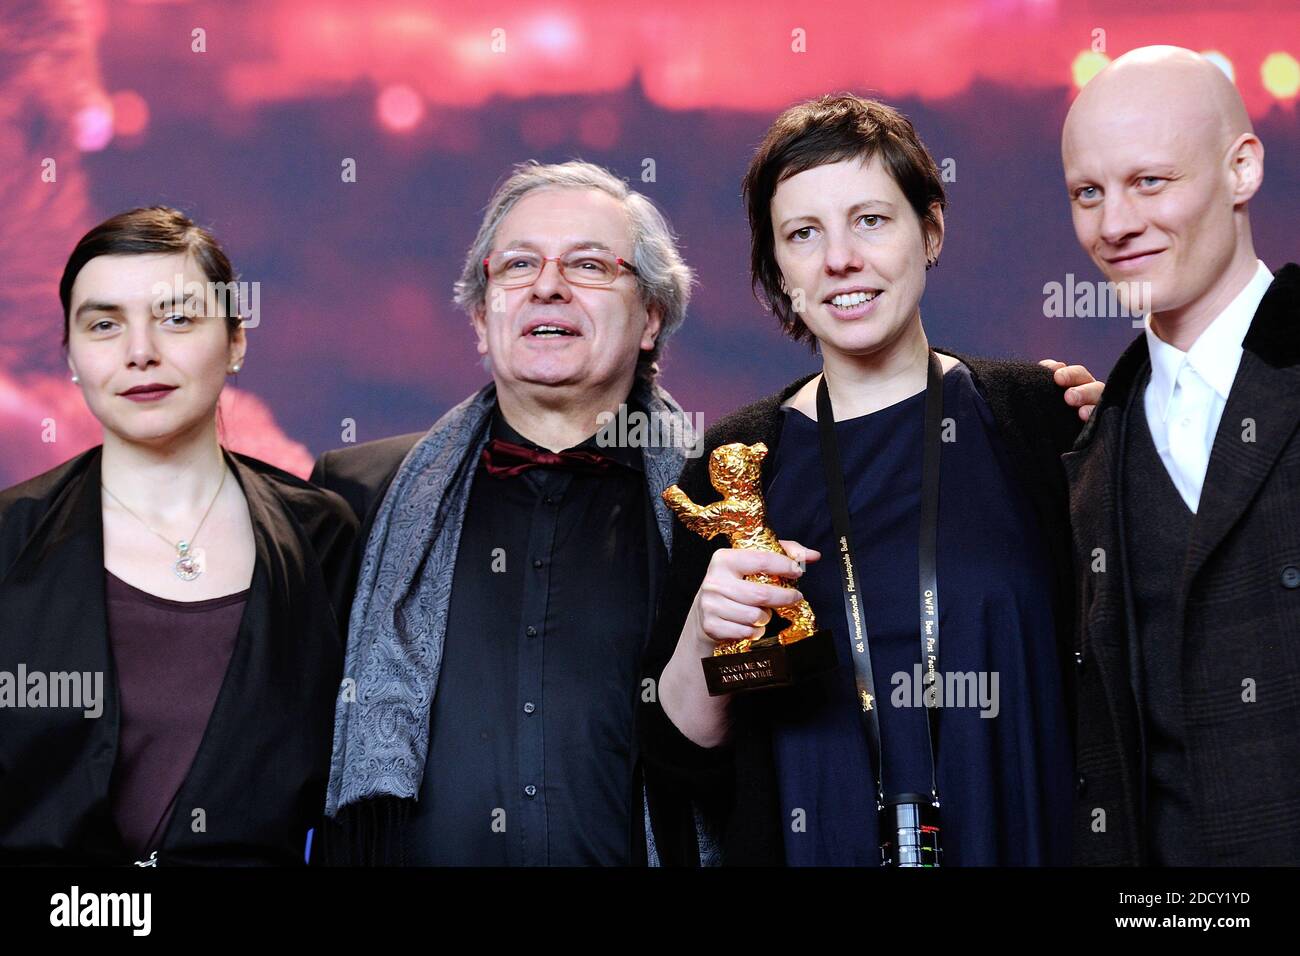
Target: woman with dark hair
{"x": 930, "y": 487}
{"x": 171, "y": 608}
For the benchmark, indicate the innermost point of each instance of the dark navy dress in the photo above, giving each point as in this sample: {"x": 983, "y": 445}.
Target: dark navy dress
{"x": 1004, "y": 766}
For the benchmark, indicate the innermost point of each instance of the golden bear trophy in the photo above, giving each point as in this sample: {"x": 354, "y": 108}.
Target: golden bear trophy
{"x": 752, "y": 663}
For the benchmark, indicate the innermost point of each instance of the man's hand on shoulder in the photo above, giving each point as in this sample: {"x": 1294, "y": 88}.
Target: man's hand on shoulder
{"x": 1082, "y": 391}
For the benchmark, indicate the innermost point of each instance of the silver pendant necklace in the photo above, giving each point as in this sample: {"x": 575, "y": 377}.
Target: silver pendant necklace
{"x": 186, "y": 566}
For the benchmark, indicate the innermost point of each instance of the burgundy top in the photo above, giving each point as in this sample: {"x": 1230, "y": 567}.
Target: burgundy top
{"x": 171, "y": 658}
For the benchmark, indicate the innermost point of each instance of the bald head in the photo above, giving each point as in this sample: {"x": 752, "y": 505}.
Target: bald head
{"x": 1168, "y": 86}
{"x": 1160, "y": 161}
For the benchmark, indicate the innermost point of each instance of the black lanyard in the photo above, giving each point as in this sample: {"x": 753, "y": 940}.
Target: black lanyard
{"x": 929, "y": 582}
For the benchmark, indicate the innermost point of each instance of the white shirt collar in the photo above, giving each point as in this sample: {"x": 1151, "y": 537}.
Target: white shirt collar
{"x": 1216, "y": 353}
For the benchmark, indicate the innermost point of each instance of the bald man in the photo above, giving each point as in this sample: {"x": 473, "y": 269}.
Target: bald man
{"x": 1185, "y": 484}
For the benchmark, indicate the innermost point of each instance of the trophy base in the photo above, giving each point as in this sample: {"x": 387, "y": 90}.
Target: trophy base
{"x": 771, "y": 665}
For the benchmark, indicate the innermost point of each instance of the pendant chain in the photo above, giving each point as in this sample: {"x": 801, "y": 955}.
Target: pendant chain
{"x": 182, "y": 546}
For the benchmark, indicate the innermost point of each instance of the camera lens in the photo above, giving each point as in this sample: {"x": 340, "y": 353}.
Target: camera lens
{"x": 909, "y": 831}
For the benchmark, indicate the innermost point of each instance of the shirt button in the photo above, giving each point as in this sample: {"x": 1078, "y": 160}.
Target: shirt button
{"x": 529, "y": 707}
{"x": 1291, "y": 577}
{"x": 549, "y": 500}
{"x": 1185, "y": 422}
{"x": 1078, "y": 660}
{"x": 530, "y": 791}
{"x": 530, "y": 631}
{"x": 537, "y": 562}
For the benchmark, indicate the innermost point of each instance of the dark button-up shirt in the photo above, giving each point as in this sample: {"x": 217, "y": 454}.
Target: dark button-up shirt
{"x": 531, "y": 757}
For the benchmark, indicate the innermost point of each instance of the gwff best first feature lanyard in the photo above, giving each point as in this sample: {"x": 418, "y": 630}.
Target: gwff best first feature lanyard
{"x": 929, "y": 583}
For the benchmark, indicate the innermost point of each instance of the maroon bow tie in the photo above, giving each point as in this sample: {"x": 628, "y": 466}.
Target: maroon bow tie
{"x": 505, "y": 459}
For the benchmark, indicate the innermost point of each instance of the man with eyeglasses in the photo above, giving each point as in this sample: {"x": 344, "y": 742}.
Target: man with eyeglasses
{"x": 514, "y": 555}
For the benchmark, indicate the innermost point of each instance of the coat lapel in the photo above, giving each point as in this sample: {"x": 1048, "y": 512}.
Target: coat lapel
{"x": 1261, "y": 416}
{"x": 80, "y": 753}
{"x": 223, "y": 721}
{"x": 1094, "y": 470}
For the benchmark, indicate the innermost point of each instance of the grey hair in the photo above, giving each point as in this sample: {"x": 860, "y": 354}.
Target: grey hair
{"x": 663, "y": 278}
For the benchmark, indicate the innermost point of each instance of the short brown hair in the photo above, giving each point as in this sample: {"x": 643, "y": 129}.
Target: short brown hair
{"x": 831, "y": 129}
{"x": 148, "y": 230}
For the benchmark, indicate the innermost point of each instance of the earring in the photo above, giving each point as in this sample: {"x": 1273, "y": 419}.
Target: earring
{"x": 235, "y": 368}
{"x": 75, "y": 378}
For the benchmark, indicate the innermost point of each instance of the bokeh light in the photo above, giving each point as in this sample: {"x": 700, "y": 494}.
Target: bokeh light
{"x": 92, "y": 127}
{"x": 1222, "y": 62}
{"x": 1087, "y": 65}
{"x": 1280, "y": 74}
{"x": 130, "y": 113}
{"x": 400, "y": 108}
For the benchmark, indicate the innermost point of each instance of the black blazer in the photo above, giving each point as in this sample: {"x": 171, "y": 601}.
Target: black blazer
{"x": 1240, "y": 609}
{"x": 735, "y": 784}
{"x": 361, "y": 474}
{"x": 260, "y": 771}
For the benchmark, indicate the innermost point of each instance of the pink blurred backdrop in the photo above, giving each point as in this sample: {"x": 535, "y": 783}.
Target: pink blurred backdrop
{"x": 435, "y": 101}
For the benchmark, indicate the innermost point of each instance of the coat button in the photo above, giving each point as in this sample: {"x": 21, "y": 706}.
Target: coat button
{"x": 530, "y": 631}
{"x": 530, "y": 791}
{"x": 1081, "y": 784}
{"x": 1291, "y": 577}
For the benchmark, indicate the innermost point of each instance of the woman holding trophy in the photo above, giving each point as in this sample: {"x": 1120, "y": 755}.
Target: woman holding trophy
{"x": 927, "y": 529}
